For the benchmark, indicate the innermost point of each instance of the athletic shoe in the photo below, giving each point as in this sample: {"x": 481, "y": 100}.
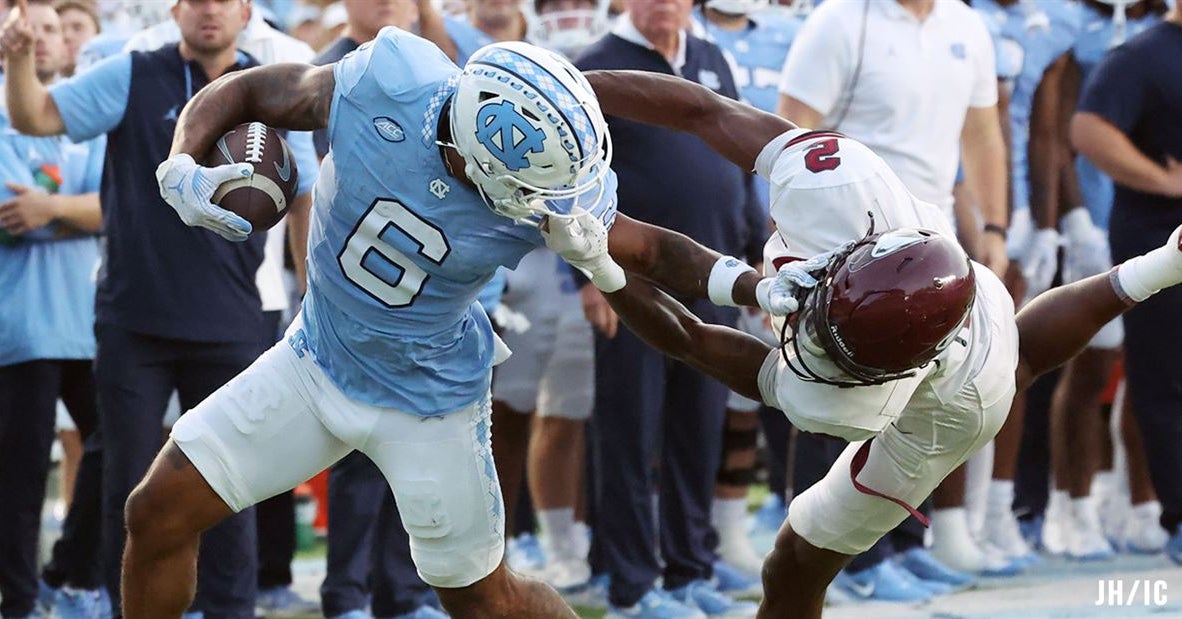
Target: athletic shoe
{"x": 525, "y": 554}
{"x": 996, "y": 563}
{"x": 45, "y": 598}
{"x": 885, "y": 582}
{"x": 933, "y": 587}
{"x": 702, "y": 595}
{"x": 424, "y": 612}
{"x": 923, "y": 565}
{"x": 656, "y": 604}
{"x": 193, "y": 615}
{"x": 1085, "y": 538}
{"x": 70, "y": 603}
{"x": 1057, "y": 523}
{"x": 591, "y": 595}
{"x": 770, "y": 516}
{"x": 734, "y": 549}
{"x": 283, "y": 602}
{"x": 1174, "y": 546}
{"x": 1143, "y": 532}
{"x": 568, "y": 575}
{"x": 1031, "y": 529}
{"x": 732, "y": 581}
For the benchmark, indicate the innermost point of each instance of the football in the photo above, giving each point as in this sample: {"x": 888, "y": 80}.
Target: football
{"x": 263, "y": 198}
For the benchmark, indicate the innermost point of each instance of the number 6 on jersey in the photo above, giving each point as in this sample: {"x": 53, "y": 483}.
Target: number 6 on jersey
{"x": 366, "y": 244}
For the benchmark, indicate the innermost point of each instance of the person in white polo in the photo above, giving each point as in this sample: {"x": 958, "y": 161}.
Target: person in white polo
{"x": 915, "y": 81}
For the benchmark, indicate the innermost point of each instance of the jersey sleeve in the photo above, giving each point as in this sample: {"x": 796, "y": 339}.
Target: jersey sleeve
{"x": 819, "y": 63}
{"x": 765, "y": 162}
{"x": 93, "y": 102}
{"x": 1116, "y": 89}
{"x": 392, "y": 66}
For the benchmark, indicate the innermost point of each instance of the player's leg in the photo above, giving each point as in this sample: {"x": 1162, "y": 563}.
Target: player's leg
{"x": 1143, "y": 531}
{"x": 557, "y": 452}
{"x": 728, "y": 512}
{"x": 28, "y": 394}
{"x": 444, "y": 480}
{"x": 253, "y": 438}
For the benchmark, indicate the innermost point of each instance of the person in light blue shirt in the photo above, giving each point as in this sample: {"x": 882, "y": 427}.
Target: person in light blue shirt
{"x": 49, "y": 215}
{"x": 435, "y": 178}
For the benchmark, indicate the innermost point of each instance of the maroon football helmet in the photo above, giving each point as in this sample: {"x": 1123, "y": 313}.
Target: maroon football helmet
{"x": 889, "y": 304}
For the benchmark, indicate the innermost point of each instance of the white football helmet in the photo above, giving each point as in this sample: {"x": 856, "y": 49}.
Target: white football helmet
{"x": 737, "y": 7}
{"x": 567, "y": 32}
{"x": 530, "y": 130}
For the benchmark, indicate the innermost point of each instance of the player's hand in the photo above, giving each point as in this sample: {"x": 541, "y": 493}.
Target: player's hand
{"x": 598, "y": 311}
{"x": 1085, "y": 247}
{"x": 17, "y": 37}
{"x": 781, "y": 295}
{"x": 188, "y": 187}
{"x": 1040, "y": 261}
{"x": 28, "y": 210}
{"x": 581, "y": 240}
{"x": 995, "y": 253}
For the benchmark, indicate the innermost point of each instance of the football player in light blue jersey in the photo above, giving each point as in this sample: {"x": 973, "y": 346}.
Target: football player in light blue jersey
{"x": 436, "y": 178}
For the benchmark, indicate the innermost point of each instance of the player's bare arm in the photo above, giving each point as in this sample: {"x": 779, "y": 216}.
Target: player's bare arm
{"x": 733, "y": 129}
{"x": 287, "y": 96}
{"x": 728, "y": 355}
{"x": 675, "y": 261}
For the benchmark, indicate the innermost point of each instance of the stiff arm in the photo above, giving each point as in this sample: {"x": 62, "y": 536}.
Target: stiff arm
{"x": 728, "y": 355}
{"x": 285, "y": 96}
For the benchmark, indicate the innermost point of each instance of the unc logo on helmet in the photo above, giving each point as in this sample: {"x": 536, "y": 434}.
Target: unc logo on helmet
{"x": 508, "y": 135}
{"x": 530, "y": 131}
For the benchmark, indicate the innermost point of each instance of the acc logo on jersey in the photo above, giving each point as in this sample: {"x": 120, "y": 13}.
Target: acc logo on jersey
{"x": 389, "y": 129}
{"x": 507, "y": 134}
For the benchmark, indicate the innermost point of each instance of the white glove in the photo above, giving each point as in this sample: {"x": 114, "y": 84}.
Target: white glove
{"x": 1085, "y": 249}
{"x": 510, "y": 320}
{"x": 1040, "y": 261}
{"x": 581, "y": 240}
{"x": 188, "y": 187}
{"x": 778, "y": 295}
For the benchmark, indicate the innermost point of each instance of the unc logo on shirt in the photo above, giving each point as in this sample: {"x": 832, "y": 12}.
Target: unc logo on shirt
{"x": 958, "y": 51}
{"x": 709, "y": 79}
{"x": 389, "y": 129}
{"x": 508, "y": 135}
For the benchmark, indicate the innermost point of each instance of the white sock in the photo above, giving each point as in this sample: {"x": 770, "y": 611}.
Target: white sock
{"x": 1144, "y": 275}
{"x": 1149, "y": 510}
{"x": 727, "y": 513}
{"x": 1001, "y": 497}
{"x": 555, "y": 527}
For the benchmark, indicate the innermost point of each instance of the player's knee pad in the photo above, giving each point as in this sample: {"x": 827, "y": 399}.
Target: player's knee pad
{"x": 735, "y": 441}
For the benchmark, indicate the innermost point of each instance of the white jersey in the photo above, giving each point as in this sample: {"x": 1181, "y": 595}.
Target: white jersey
{"x": 823, "y": 187}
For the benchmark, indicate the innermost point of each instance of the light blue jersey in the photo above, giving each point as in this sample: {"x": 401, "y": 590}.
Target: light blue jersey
{"x": 399, "y": 250}
{"x": 48, "y": 276}
{"x": 1034, "y": 34}
{"x": 467, "y": 37}
{"x": 757, "y": 53}
{"x": 1099, "y": 34}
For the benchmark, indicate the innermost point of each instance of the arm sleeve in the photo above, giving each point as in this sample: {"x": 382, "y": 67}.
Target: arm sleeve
{"x": 1116, "y": 90}
{"x": 984, "y": 60}
{"x": 306, "y": 160}
{"x": 93, "y": 102}
{"x": 817, "y": 69}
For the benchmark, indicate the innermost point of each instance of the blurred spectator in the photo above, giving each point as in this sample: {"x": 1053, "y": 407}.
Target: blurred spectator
{"x": 649, "y": 409}
{"x": 48, "y": 256}
{"x": 485, "y": 22}
{"x": 80, "y": 23}
{"x": 160, "y": 323}
{"x": 305, "y": 24}
{"x": 1126, "y": 127}
{"x": 275, "y": 516}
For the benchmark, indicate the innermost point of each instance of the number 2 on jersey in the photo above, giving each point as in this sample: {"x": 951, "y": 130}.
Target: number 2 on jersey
{"x": 366, "y": 244}
{"x": 822, "y": 156}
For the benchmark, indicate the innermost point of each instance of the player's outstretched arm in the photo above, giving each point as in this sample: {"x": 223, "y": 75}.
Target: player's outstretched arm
{"x": 285, "y": 96}
{"x": 733, "y": 129}
{"x": 730, "y": 356}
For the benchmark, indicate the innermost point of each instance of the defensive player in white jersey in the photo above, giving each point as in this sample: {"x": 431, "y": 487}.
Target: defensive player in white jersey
{"x": 901, "y": 344}
{"x": 431, "y": 175}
